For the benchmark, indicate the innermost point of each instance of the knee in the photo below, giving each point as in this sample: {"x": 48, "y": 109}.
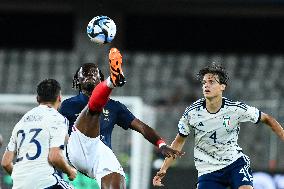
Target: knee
{"x": 246, "y": 187}
{"x": 113, "y": 181}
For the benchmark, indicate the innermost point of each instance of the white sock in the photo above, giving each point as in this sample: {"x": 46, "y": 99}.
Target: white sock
{"x": 109, "y": 83}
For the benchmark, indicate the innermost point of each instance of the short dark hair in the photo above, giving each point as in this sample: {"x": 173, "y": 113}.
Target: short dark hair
{"x": 76, "y": 84}
{"x": 214, "y": 69}
{"x": 48, "y": 90}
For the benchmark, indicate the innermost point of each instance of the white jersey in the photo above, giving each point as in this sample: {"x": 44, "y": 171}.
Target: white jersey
{"x": 39, "y": 130}
{"x": 216, "y": 134}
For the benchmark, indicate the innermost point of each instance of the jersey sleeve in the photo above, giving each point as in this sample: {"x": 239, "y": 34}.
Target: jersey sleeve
{"x": 124, "y": 117}
{"x": 63, "y": 110}
{"x": 248, "y": 113}
{"x": 12, "y": 145}
{"x": 183, "y": 124}
{"x": 58, "y": 131}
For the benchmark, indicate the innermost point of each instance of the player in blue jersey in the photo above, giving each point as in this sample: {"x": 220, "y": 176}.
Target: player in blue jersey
{"x": 215, "y": 121}
{"x": 86, "y": 78}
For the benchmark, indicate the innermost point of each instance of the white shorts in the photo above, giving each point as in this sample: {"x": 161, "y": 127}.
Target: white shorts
{"x": 91, "y": 156}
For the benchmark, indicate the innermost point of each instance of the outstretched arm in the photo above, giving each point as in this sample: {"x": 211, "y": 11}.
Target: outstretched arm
{"x": 273, "y": 124}
{"x": 151, "y": 135}
{"x": 177, "y": 144}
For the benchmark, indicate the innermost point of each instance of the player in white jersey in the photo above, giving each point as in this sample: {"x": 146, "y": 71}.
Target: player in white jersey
{"x": 37, "y": 143}
{"x": 215, "y": 122}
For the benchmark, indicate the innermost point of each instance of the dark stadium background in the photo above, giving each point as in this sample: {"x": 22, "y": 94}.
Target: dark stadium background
{"x": 180, "y": 25}
{"x": 239, "y": 27}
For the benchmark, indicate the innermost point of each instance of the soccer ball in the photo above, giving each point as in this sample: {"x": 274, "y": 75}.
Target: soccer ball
{"x": 101, "y": 29}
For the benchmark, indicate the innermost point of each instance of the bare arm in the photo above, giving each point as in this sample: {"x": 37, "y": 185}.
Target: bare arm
{"x": 177, "y": 144}
{"x": 56, "y": 158}
{"x": 7, "y": 161}
{"x": 273, "y": 124}
{"x": 152, "y": 136}
{"x": 149, "y": 133}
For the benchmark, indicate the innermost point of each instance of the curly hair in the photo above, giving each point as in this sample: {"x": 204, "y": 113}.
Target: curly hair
{"x": 75, "y": 83}
{"x": 214, "y": 69}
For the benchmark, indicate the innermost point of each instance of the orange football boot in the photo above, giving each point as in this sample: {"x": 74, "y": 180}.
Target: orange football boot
{"x": 115, "y": 63}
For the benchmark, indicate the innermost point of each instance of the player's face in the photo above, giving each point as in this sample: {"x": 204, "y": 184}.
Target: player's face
{"x": 89, "y": 77}
{"x": 211, "y": 86}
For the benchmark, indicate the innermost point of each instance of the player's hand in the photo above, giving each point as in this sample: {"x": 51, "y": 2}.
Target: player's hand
{"x": 72, "y": 173}
{"x": 168, "y": 152}
{"x": 157, "y": 180}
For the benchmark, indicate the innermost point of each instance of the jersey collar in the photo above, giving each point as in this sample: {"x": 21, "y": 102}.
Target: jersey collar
{"x": 222, "y": 106}
{"x": 83, "y": 97}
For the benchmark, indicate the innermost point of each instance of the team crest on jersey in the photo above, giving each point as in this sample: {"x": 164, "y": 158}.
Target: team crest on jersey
{"x": 106, "y": 115}
{"x": 226, "y": 121}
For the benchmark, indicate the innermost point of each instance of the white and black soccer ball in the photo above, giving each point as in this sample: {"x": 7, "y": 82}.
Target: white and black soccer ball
{"x": 101, "y": 29}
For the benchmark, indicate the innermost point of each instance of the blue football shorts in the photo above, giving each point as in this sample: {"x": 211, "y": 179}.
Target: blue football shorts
{"x": 234, "y": 175}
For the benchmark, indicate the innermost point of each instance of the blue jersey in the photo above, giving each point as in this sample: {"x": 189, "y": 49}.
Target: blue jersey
{"x": 114, "y": 113}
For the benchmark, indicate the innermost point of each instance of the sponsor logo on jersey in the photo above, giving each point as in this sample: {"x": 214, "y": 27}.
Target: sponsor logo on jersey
{"x": 245, "y": 179}
{"x": 200, "y": 124}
